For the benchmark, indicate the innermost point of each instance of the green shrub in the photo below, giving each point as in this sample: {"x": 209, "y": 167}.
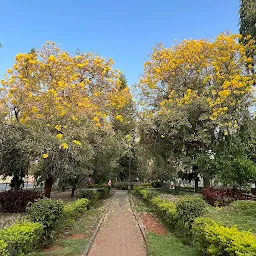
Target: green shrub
{"x": 47, "y": 212}
{"x": 91, "y": 194}
{"x": 144, "y": 185}
{"x": 145, "y": 194}
{"x": 165, "y": 188}
{"x": 21, "y": 238}
{"x": 103, "y": 192}
{"x": 217, "y": 240}
{"x": 73, "y": 211}
{"x": 190, "y": 208}
{"x": 97, "y": 186}
{"x": 3, "y": 248}
{"x": 167, "y": 210}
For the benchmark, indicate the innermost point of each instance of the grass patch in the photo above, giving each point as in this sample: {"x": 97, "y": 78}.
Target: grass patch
{"x": 168, "y": 245}
{"x": 88, "y": 222}
{"x": 69, "y": 247}
{"x": 139, "y": 205}
{"x": 240, "y": 213}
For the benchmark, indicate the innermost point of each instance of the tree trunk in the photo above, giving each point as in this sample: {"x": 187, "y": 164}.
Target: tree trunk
{"x": 16, "y": 184}
{"x": 73, "y": 191}
{"x": 207, "y": 183}
{"x": 196, "y": 179}
{"x": 48, "y": 186}
{"x": 196, "y": 185}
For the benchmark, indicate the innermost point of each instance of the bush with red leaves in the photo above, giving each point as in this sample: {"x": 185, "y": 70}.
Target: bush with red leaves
{"x": 222, "y": 197}
{"x": 17, "y": 201}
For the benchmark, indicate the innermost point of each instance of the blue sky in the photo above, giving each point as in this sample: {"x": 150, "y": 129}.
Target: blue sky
{"x": 123, "y": 30}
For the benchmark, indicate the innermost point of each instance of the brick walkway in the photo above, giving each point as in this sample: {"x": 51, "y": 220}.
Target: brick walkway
{"x": 119, "y": 235}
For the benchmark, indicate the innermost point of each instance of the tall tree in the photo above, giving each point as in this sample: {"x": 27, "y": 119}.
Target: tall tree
{"x": 195, "y": 93}
{"x": 248, "y": 25}
{"x": 248, "y": 18}
{"x": 58, "y": 96}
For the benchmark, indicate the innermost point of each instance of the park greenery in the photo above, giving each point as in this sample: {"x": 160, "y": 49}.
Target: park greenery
{"x": 71, "y": 118}
{"x": 65, "y": 118}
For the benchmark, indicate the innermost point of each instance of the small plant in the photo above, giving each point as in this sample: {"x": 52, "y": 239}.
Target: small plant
{"x": 190, "y": 208}
{"x": 214, "y": 239}
{"x": 3, "y": 248}
{"x": 156, "y": 184}
{"x": 103, "y": 192}
{"x": 74, "y": 210}
{"x": 21, "y": 238}
{"x": 47, "y": 212}
{"x": 94, "y": 195}
{"x": 17, "y": 201}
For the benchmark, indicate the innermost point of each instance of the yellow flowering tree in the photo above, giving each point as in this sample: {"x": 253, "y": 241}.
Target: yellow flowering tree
{"x": 54, "y": 92}
{"x": 195, "y": 92}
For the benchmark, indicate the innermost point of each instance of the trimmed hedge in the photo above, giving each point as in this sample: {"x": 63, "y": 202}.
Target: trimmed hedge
{"x": 74, "y": 210}
{"x": 217, "y": 240}
{"x": 94, "y": 195}
{"x": 21, "y": 238}
{"x": 45, "y": 217}
{"x": 213, "y": 239}
{"x": 167, "y": 210}
{"x": 190, "y": 208}
{"x": 97, "y": 186}
{"x": 3, "y": 248}
{"x": 47, "y": 212}
{"x": 17, "y": 201}
{"x": 122, "y": 185}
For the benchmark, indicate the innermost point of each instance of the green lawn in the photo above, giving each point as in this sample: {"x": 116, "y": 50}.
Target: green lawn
{"x": 168, "y": 245}
{"x": 240, "y": 213}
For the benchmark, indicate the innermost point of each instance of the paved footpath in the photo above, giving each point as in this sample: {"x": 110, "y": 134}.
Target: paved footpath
{"x": 119, "y": 235}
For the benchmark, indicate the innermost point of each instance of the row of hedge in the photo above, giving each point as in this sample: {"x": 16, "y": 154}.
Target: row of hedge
{"x": 94, "y": 194}
{"x": 45, "y": 219}
{"x": 211, "y": 238}
{"x": 123, "y": 185}
{"x": 38, "y": 230}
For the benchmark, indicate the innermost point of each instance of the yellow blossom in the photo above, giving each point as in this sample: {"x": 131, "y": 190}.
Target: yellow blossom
{"x": 59, "y": 136}
{"x": 77, "y": 142}
{"x": 64, "y": 145}
{"x": 96, "y": 119}
{"x": 45, "y": 155}
{"x": 119, "y": 118}
{"x": 58, "y": 127}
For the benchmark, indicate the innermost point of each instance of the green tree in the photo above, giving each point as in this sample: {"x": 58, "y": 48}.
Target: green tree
{"x": 191, "y": 101}
{"x": 17, "y": 148}
{"x": 248, "y": 18}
